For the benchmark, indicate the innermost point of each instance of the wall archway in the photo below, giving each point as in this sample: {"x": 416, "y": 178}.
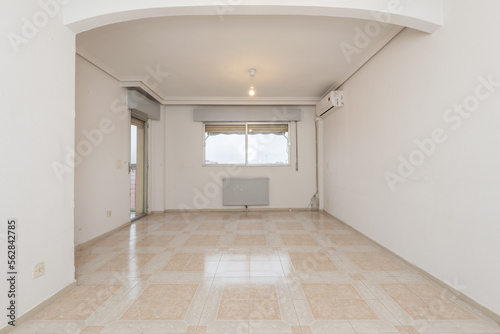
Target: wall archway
{"x": 83, "y": 15}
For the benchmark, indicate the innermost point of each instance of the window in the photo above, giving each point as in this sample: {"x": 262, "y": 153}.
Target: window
{"x": 248, "y": 144}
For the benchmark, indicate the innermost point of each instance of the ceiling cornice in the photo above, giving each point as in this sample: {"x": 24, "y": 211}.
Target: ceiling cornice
{"x": 96, "y": 62}
{"x": 263, "y": 101}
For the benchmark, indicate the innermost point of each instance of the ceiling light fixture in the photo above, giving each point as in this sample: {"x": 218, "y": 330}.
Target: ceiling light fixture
{"x": 252, "y": 88}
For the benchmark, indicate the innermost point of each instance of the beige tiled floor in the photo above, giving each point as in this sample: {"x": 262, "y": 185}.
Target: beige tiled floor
{"x": 256, "y": 272}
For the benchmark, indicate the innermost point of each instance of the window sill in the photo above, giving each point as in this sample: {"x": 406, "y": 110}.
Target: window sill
{"x": 240, "y": 165}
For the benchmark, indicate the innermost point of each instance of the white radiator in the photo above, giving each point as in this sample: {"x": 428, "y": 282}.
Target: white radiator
{"x": 240, "y": 191}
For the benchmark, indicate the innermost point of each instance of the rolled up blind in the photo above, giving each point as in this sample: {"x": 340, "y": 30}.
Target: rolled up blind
{"x": 215, "y": 129}
{"x": 267, "y": 128}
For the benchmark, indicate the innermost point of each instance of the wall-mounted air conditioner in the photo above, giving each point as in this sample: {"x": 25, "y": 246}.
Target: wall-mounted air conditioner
{"x": 332, "y": 101}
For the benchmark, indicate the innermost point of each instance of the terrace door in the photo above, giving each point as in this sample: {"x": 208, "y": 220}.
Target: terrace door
{"x": 138, "y": 168}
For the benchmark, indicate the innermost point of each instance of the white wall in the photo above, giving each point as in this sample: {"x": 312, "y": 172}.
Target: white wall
{"x": 101, "y": 182}
{"x": 190, "y": 185}
{"x": 445, "y": 217}
{"x": 156, "y": 165}
{"x": 36, "y": 127}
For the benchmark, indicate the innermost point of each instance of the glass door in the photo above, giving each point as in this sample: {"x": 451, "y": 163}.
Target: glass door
{"x": 138, "y": 168}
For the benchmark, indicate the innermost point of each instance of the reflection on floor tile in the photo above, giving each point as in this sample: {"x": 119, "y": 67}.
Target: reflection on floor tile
{"x": 249, "y": 272}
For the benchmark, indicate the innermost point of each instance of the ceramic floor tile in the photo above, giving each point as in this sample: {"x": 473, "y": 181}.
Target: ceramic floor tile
{"x": 312, "y": 261}
{"x": 356, "y": 309}
{"x": 398, "y": 291}
{"x": 155, "y": 240}
{"x": 236, "y": 292}
{"x": 347, "y": 240}
{"x": 69, "y": 310}
{"x": 371, "y": 261}
{"x": 211, "y": 227}
{"x": 476, "y": 326}
{"x": 110, "y": 241}
{"x": 298, "y": 240}
{"x": 234, "y": 310}
{"x": 329, "y": 225}
{"x": 326, "y": 309}
{"x": 373, "y": 326}
{"x": 263, "y": 291}
{"x": 250, "y": 240}
{"x": 264, "y": 310}
{"x": 92, "y": 291}
{"x": 334, "y": 291}
{"x": 202, "y": 240}
{"x": 250, "y": 226}
{"x": 174, "y": 227}
{"x": 172, "y": 310}
{"x": 142, "y": 310}
{"x": 435, "y": 309}
{"x": 196, "y": 330}
{"x": 425, "y": 291}
{"x": 249, "y": 272}
{"x": 289, "y": 226}
{"x": 169, "y": 291}
{"x": 92, "y": 329}
{"x": 407, "y": 329}
{"x": 301, "y": 330}
{"x": 126, "y": 263}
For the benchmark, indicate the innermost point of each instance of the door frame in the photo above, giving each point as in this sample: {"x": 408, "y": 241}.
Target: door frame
{"x": 146, "y": 163}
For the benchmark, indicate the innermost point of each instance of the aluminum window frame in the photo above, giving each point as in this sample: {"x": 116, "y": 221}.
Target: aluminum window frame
{"x": 246, "y": 164}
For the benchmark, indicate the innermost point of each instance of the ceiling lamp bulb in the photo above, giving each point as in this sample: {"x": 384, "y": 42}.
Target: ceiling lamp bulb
{"x": 252, "y": 91}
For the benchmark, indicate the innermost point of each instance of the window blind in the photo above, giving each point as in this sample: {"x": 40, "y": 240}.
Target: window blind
{"x": 215, "y": 129}
{"x": 267, "y": 128}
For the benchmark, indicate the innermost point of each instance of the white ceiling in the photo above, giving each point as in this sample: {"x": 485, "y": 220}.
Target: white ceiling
{"x": 208, "y": 58}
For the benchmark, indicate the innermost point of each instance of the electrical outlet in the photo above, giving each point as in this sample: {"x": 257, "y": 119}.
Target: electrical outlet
{"x": 39, "y": 270}
{"x": 109, "y": 213}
